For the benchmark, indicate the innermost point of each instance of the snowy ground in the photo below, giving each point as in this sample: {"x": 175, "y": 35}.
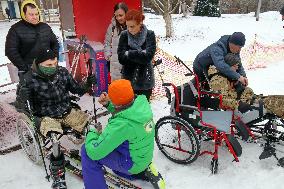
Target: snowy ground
{"x": 192, "y": 35}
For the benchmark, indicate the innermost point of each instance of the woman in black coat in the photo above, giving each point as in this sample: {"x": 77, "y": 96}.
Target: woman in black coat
{"x": 136, "y": 49}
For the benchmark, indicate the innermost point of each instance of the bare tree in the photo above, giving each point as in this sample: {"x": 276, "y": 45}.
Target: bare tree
{"x": 258, "y": 10}
{"x": 166, "y": 8}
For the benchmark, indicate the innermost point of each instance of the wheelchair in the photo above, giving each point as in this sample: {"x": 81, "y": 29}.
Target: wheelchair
{"x": 39, "y": 148}
{"x": 196, "y": 116}
{"x": 32, "y": 141}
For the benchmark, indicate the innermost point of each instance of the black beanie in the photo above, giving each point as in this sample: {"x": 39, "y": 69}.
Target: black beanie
{"x": 282, "y": 11}
{"x": 238, "y": 38}
{"x": 43, "y": 55}
{"x": 232, "y": 59}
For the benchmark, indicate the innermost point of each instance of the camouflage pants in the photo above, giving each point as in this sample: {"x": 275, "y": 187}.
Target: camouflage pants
{"x": 76, "y": 119}
{"x": 221, "y": 84}
{"x": 247, "y": 95}
{"x": 275, "y": 104}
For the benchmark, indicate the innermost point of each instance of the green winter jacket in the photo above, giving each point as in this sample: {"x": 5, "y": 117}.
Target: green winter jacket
{"x": 135, "y": 125}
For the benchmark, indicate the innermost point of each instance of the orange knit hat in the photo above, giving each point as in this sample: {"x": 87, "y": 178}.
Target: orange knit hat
{"x": 120, "y": 92}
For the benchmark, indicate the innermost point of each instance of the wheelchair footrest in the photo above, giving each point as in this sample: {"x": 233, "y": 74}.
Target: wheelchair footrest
{"x": 268, "y": 151}
{"x": 281, "y": 162}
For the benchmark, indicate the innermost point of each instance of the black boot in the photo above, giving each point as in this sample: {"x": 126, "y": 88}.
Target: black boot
{"x": 57, "y": 172}
{"x": 156, "y": 179}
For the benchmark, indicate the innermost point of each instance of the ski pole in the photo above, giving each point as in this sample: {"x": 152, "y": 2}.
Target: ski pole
{"x": 93, "y": 93}
{"x": 37, "y": 138}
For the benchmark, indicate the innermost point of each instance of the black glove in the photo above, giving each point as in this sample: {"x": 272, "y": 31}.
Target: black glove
{"x": 91, "y": 79}
{"x": 239, "y": 87}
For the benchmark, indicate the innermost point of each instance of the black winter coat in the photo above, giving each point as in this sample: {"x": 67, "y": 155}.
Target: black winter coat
{"x": 137, "y": 65}
{"x": 50, "y": 96}
{"x": 24, "y": 41}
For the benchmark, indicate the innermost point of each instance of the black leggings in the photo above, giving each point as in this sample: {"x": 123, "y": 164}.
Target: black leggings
{"x": 147, "y": 93}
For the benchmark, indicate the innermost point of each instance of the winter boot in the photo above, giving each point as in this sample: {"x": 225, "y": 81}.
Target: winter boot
{"x": 57, "y": 172}
{"x": 156, "y": 179}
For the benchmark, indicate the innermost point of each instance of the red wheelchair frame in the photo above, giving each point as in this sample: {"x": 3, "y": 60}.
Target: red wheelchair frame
{"x": 211, "y": 130}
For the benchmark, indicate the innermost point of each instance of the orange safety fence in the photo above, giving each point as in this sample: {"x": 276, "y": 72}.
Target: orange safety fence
{"x": 259, "y": 55}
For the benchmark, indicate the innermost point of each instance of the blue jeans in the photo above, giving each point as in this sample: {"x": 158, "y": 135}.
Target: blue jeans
{"x": 118, "y": 160}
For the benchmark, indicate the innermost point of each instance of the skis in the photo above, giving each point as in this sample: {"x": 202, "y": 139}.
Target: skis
{"x": 11, "y": 149}
{"x": 112, "y": 180}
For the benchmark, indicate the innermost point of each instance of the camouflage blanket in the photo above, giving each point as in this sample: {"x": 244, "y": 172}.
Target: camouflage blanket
{"x": 275, "y": 104}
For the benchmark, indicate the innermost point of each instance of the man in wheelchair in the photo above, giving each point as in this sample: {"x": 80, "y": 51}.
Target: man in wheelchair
{"x": 251, "y": 109}
{"x": 46, "y": 89}
{"x": 242, "y": 98}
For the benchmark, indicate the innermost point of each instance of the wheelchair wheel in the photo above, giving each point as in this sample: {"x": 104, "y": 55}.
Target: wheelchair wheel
{"x": 177, "y": 140}
{"x": 28, "y": 140}
{"x": 214, "y": 166}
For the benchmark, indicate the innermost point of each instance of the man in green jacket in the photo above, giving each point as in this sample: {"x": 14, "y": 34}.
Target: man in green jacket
{"x": 126, "y": 144}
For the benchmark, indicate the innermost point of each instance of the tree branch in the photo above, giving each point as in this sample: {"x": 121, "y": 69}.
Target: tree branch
{"x": 161, "y": 4}
{"x": 157, "y": 6}
{"x": 177, "y": 5}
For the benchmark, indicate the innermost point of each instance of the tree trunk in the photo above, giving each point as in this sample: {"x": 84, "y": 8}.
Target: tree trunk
{"x": 169, "y": 24}
{"x": 165, "y": 8}
{"x": 258, "y": 10}
{"x": 168, "y": 19}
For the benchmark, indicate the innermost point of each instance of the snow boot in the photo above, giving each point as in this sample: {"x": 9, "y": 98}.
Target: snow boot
{"x": 57, "y": 172}
{"x": 156, "y": 179}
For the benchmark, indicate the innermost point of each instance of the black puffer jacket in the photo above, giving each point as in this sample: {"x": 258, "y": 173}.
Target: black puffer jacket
{"x": 137, "y": 65}
{"x": 24, "y": 41}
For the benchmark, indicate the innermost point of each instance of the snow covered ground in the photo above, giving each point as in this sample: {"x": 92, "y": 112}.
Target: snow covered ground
{"x": 192, "y": 35}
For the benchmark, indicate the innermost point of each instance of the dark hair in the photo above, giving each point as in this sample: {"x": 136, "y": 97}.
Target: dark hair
{"x": 124, "y": 7}
{"x": 28, "y": 5}
{"x": 232, "y": 59}
{"x": 120, "y": 5}
{"x": 282, "y": 11}
{"x": 134, "y": 15}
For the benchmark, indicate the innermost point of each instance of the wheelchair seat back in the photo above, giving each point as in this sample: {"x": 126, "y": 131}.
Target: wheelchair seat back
{"x": 188, "y": 95}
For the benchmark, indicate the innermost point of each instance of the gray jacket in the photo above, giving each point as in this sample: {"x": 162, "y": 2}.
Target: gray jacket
{"x": 110, "y": 50}
{"x": 214, "y": 55}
